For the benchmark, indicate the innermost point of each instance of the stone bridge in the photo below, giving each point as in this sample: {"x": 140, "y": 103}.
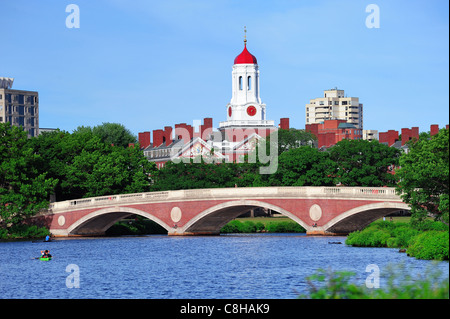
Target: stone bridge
{"x": 320, "y": 210}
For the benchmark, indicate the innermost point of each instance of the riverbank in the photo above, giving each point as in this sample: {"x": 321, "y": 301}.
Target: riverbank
{"x": 429, "y": 240}
{"x": 23, "y": 232}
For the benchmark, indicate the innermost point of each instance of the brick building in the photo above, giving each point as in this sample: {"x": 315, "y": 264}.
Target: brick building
{"x": 331, "y": 132}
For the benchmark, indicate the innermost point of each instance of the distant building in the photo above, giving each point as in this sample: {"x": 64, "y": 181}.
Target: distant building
{"x": 334, "y": 105}
{"x": 392, "y": 137}
{"x": 370, "y": 135}
{"x": 331, "y": 132}
{"x": 18, "y": 107}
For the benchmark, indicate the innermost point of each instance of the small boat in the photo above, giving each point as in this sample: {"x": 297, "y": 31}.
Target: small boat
{"x": 45, "y": 258}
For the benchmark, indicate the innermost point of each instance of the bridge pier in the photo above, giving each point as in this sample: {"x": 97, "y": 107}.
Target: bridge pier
{"x": 320, "y": 232}
{"x": 199, "y": 233}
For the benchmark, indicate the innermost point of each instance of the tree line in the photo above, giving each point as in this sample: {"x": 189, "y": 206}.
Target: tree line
{"x": 99, "y": 161}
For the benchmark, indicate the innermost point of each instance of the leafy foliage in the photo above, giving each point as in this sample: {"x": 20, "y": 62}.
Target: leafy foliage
{"x": 364, "y": 163}
{"x": 110, "y": 133}
{"x": 291, "y": 139}
{"x": 428, "y": 240}
{"x": 24, "y": 191}
{"x": 328, "y": 284}
{"x": 304, "y": 166}
{"x": 430, "y": 245}
{"x": 236, "y": 226}
{"x": 424, "y": 177}
{"x": 86, "y": 166}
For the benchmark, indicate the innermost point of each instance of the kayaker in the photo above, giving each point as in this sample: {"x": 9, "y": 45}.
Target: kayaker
{"x": 46, "y": 254}
{"x": 47, "y": 238}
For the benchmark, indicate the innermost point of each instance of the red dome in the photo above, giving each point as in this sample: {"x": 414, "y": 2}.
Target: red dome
{"x": 245, "y": 57}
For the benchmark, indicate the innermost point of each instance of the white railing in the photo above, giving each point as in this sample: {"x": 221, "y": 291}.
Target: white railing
{"x": 377, "y": 193}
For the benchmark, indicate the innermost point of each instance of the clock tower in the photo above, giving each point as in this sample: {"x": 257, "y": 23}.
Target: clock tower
{"x": 245, "y": 109}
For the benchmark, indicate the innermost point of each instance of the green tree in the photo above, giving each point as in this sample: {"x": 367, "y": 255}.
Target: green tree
{"x": 108, "y": 170}
{"x": 303, "y": 166}
{"x": 192, "y": 175}
{"x": 424, "y": 177}
{"x": 364, "y": 163}
{"x": 24, "y": 191}
{"x": 293, "y": 138}
{"x": 87, "y": 166}
{"x": 110, "y": 133}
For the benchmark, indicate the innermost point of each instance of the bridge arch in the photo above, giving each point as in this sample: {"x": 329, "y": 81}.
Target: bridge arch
{"x": 211, "y": 220}
{"x": 100, "y": 220}
{"x": 359, "y": 217}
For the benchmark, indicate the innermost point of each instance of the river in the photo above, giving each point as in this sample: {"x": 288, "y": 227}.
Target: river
{"x": 247, "y": 266}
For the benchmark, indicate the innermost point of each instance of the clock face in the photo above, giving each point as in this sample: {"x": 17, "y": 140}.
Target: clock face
{"x": 230, "y": 111}
{"x": 251, "y": 110}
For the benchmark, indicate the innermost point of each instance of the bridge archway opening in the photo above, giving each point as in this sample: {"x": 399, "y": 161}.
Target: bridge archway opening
{"x": 98, "y": 222}
{"x": 360, "y": 217}
{"x": 213, "y": 219}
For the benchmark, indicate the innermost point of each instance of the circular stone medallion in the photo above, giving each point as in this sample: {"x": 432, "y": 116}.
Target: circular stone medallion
{"x": 315, "y": 212}
{"x": 175, "y": 214}
{"x": 61, "y": 220}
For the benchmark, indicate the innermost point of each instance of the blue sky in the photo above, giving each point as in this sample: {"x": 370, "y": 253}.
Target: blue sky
{"x": 149, "y": 64}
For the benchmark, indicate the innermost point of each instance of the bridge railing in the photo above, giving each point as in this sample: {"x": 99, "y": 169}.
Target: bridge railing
{"x": 379, "y": 193}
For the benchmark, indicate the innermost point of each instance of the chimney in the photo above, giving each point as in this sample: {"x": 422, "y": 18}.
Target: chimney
{"x": 144, "y": 139}
{"x": 284, "y": 123}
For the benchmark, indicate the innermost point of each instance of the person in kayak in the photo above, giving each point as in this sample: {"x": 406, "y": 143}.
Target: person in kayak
{"x": 46, "y": 254}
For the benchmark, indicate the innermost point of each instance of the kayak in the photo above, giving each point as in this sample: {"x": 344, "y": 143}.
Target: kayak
{"x": 45, "y": 258}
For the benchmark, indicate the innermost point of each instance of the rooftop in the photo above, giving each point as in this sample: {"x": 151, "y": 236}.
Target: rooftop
{"x": 6, "y": 83}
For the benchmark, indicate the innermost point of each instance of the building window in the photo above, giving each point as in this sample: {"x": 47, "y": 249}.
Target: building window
{"x": 240, "y": 83}
{"x": 249, "y": 83}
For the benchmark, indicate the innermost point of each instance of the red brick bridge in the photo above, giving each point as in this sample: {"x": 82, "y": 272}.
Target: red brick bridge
{"x": 320, "y": 210}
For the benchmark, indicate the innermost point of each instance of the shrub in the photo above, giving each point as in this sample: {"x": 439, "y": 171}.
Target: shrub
{"x": 369, "y": 237}
{"x": 404, "y": 235}
{"x": 234, "y": 226}
{"x": 400, "y": 285}
{"x": 430, "y": 245}
{"x": 284, "y": 227}
{"x": 24, "y": 231}
{"x": 427, "y": 224}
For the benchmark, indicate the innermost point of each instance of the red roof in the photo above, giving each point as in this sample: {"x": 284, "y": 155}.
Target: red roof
{"x": 245, "y": 57}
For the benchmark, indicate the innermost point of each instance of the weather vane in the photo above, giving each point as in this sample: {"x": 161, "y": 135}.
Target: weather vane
{"x": 245, "y": 34}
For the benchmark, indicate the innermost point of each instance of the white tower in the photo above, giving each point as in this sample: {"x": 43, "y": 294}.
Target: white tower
{"x": 245, "y": 108}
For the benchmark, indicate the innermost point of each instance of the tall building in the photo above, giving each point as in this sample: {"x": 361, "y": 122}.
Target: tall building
{"x": 237, "y": 136}
{"x": 245, "y": 110}
{"x": 335, "y": 106}
{"x": 20, "y": 108}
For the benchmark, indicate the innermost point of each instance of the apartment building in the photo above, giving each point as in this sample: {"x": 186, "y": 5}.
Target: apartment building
{"x": 20, "y": 108}
{"x": 335, "y": 105}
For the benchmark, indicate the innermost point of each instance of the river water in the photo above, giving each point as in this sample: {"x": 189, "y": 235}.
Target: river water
{"x": 246, "y": 266}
